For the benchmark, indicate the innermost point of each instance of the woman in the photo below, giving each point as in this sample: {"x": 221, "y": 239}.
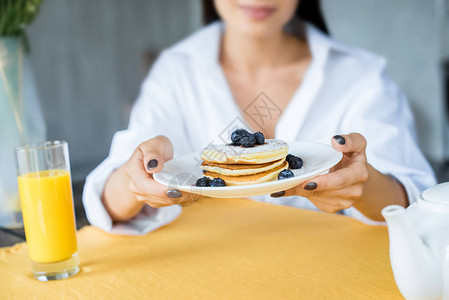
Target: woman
{"x": 314, "y": 87}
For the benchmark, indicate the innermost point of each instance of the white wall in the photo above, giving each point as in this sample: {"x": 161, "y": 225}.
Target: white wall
{"x": 87, "y": 57}
{"x": 405, "y": 32}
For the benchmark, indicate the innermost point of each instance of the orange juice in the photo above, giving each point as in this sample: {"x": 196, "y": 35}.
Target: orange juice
{"x": 48, "y": 216}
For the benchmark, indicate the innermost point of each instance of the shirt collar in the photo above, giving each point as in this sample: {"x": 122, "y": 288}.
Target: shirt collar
{"x": 208, "y": 51}
{"x": 318, "y": 44}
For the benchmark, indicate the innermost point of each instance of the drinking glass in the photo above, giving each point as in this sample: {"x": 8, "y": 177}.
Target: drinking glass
{"x": 45, "y": 189}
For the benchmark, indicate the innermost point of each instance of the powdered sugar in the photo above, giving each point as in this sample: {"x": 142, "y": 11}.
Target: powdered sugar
{"x": 232, "y": 150}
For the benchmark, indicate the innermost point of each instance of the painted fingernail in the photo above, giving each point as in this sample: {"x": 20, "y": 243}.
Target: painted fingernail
{"x": 152, "y": 164}
{"x": 173, "y": 194}
{"x": 339, "y": 139}
{"x": 278, "y": 194}
{"x": 310, "y": 186}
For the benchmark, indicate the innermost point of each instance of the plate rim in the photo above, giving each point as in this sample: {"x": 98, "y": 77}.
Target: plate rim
{"x": 196, "y": 189}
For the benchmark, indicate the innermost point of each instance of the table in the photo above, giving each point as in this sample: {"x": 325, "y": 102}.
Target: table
{"x": 225, "y": 249}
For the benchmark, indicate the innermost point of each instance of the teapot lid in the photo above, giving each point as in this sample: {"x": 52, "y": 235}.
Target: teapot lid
{"x": 438, "y": 194}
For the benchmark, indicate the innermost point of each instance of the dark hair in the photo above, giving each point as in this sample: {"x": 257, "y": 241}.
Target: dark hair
{"x": 308, "y": 10}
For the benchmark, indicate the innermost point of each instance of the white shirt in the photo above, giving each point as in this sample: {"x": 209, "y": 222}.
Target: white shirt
{"x": 186, "y": 98}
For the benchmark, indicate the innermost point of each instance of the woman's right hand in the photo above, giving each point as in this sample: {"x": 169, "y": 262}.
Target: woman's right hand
{"x": 149, "y": 158}
{"x": 132, "y": 185}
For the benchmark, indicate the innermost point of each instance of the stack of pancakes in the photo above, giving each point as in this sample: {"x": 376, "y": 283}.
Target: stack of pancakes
{"x": 238, "y": 165}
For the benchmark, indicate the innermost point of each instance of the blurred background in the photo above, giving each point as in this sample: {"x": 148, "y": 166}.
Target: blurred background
{"x": 90, "y": 57}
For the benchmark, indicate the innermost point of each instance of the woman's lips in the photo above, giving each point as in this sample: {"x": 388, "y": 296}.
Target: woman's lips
{"x": 257, "y": 12}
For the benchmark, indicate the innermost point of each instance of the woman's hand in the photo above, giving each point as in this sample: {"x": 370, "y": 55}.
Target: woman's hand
{"x": 352, "y": 182}
{"x": 132, "y": 185}
{"x": 343, "y": 185}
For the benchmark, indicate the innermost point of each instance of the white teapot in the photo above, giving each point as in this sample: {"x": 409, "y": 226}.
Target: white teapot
{"x": 419, "y": 244}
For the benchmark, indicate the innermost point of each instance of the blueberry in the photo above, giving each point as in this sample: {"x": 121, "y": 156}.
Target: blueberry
{"x": 284, "y": 174}
{"x": 248, "y": 141}
{"x": 294, "y": 162}
{"x": 237, "y": 135}
{"x": 260, "y": 139}
{"x": 217, "y": 182}
{"x": 203, "y": 181}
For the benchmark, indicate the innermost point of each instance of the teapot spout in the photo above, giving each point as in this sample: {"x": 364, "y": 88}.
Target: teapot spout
{"x": 415, "y": 269}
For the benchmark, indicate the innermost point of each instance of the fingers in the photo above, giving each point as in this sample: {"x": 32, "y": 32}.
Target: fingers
{"x": 343, "y": 186}
{"x": 353, "y": 192}
{"x": 163, "y": 197}
{"x": 331, "y": 205}
{"x": 355, "y": 173}
{"x": 155, "y": 152}
{"x": 157, "y": 195}
{"x": 147, "y": 187}
{"x": 330, "y": 201}
{"x": 333, "y": 191}
{"x": 149, "y": 158}
{"x": 353, "y": 142}
{"x": 155, "y": 202}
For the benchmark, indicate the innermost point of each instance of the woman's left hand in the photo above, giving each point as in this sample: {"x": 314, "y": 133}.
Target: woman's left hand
{"x": 344, "y": 184}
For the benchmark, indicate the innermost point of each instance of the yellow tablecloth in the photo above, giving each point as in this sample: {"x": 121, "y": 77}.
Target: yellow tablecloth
{"x": 221, "y": 249}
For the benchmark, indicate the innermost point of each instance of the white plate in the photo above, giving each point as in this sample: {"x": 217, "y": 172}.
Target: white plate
{"x": 181, "y": 173}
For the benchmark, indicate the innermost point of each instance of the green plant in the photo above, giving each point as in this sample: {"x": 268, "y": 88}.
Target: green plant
{"x": 15, "y": 15}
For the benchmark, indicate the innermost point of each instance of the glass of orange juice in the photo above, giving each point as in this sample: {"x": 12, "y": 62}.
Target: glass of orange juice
{"x": 45, "y": 189}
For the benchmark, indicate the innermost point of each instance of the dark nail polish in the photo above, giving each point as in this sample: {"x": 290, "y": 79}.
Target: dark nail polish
{"x": 173, "y": 194}
{"x": 339, "y": 139}
{"x": 152, "y": 164}
{"x": 278, "y": 194}
{"x": 310, "y": 186}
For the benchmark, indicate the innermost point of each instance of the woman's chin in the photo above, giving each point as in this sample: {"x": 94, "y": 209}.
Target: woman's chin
{"x": 258, "y": 30}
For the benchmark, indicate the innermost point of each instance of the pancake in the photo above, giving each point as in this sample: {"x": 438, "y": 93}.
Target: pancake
{"x": 249, "y": 179}
{"x": 272, "y": 150}
{"x": 240, "y": 169}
